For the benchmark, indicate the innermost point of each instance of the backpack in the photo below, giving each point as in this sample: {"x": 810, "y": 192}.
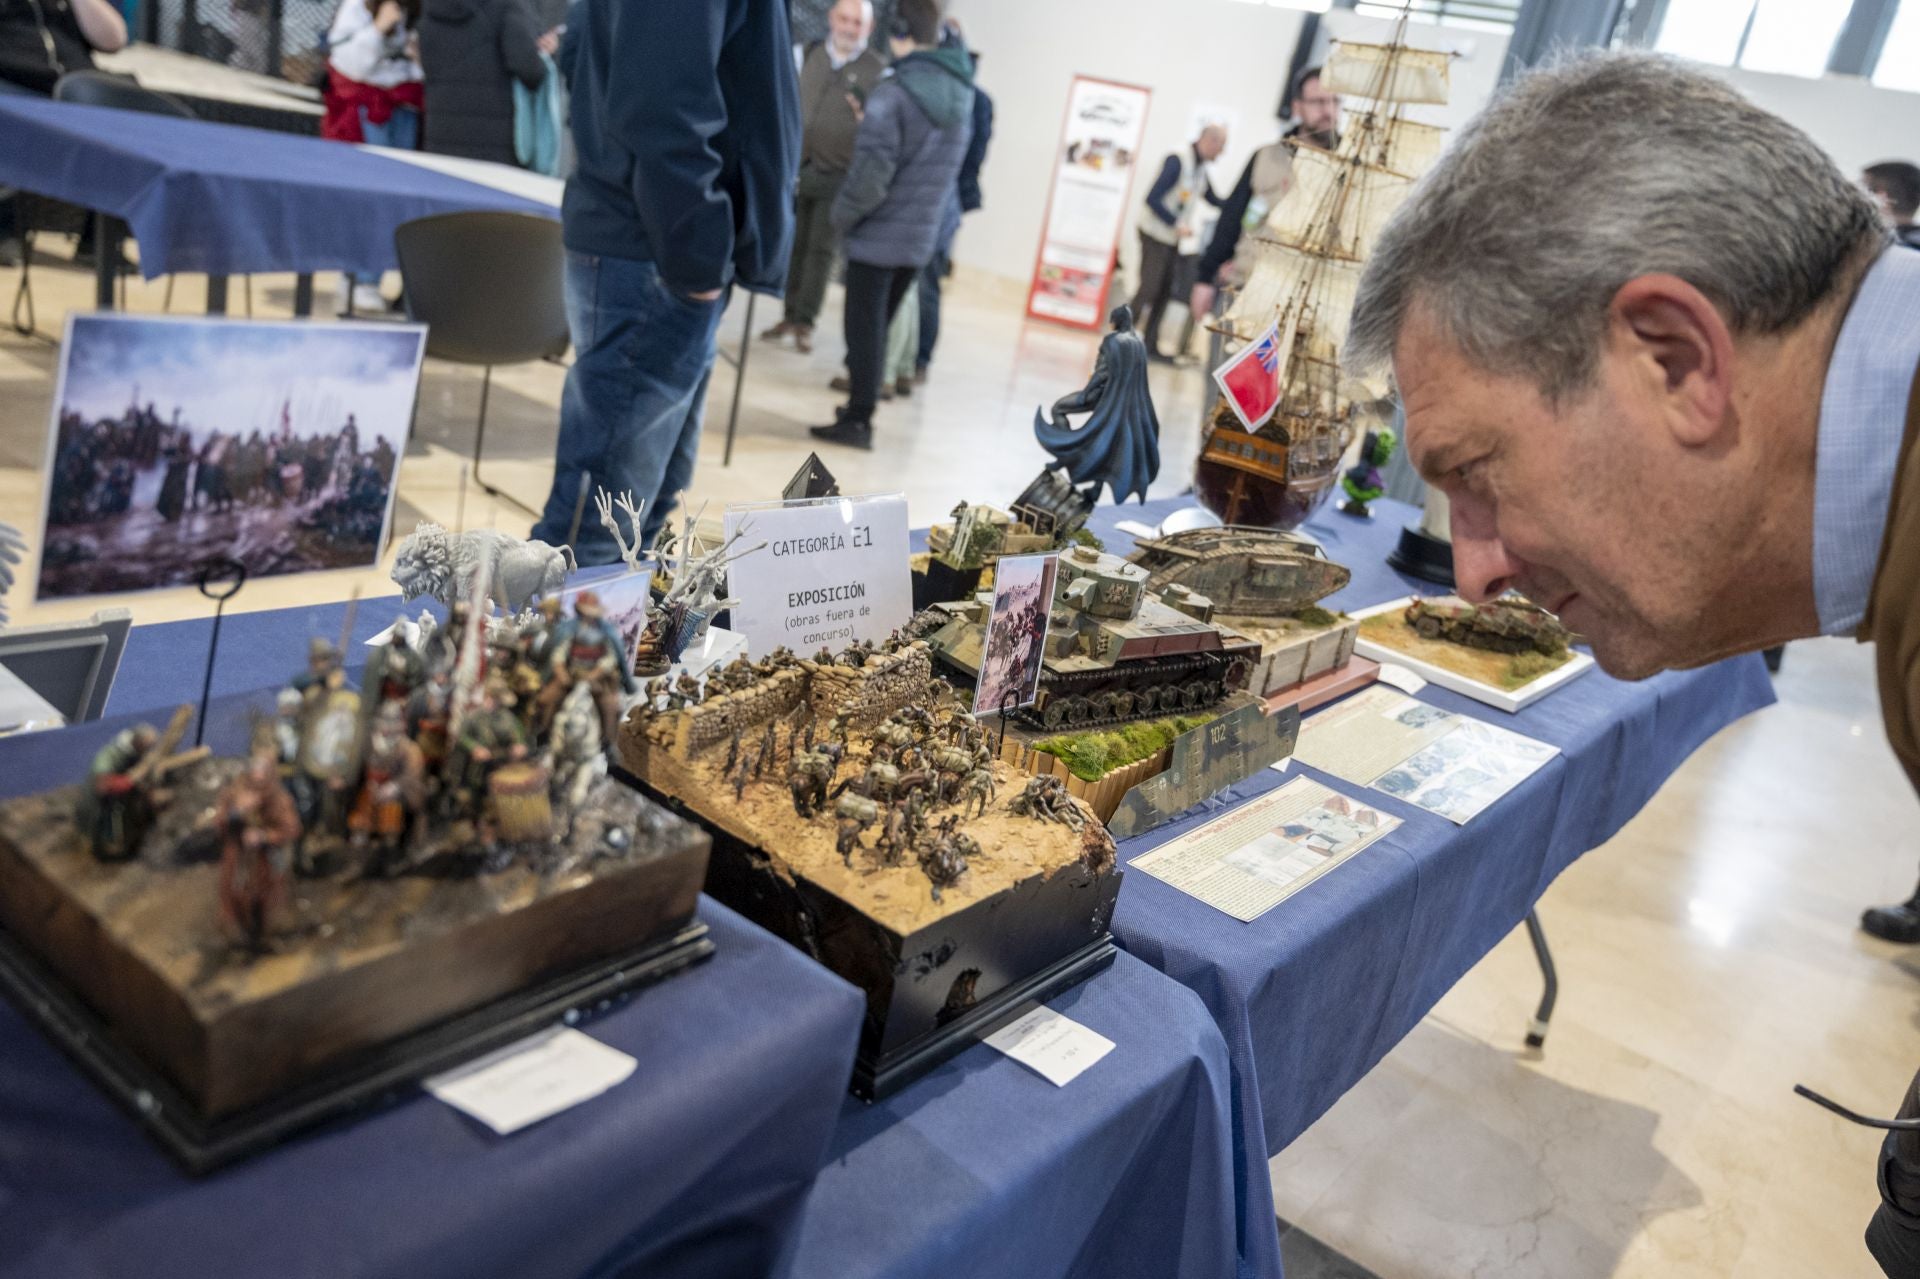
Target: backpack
{"x": 537, "y": 115}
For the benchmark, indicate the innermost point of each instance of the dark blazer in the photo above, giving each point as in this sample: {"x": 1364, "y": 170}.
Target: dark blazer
{"x": 686, "y": 122}
{"x": 471, "y": 52}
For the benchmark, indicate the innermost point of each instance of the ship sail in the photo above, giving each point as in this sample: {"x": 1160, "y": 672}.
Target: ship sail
{"x": 1387, "y": 72}
{"x": 1280, "y": 272}
{"x": 1336, "y": 206}
{"x": 1392, "y": 143}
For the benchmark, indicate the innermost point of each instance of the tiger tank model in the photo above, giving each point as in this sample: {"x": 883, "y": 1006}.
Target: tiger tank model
{"x": 1246, "y": 572}
{"x": 1510, "y": 624}
{"x": 1115, "y": 650}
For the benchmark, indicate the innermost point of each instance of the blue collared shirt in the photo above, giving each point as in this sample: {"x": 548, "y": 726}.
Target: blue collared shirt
{"x": 1863, "y": 415}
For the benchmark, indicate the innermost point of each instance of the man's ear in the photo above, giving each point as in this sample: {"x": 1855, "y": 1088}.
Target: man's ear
{"x": 1673, "y": 336}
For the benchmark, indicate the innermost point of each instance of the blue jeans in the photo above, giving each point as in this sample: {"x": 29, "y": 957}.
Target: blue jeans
{"x": 401, "y": 131}
{"x": 630, "y": 414}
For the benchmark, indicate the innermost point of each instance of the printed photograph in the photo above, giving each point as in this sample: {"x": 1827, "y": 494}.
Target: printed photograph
{"x": 175, "y": 441}
{"x": 1016, "y": 633}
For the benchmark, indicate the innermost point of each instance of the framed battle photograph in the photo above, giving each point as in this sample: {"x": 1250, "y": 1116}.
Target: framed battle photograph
{"x": 1016, "y": 636}
{"x": 176, "y": 440}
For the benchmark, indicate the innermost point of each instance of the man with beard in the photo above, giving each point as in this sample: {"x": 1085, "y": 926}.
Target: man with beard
{"x": 1662, "y": 356}
{"x": 1316, "y": 123}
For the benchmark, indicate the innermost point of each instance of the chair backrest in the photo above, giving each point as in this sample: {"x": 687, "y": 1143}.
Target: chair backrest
{"x": 490, "y": 286}
{"x": 98, "y": 89}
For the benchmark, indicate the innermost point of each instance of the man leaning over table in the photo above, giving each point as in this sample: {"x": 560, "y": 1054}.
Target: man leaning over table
{"x": 1661, "y": 356}
{"x": 686, "y": 120}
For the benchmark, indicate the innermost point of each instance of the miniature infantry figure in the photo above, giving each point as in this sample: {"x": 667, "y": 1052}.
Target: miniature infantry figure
{"x": 395, "y": 670}
{"x": 1119, "y": 446}
{"x": 586, "y": 647}
{"x": 491, "y": 735}
{"x": 854, "y": 813}
{"x": 114, "y": 809}
{"x": 323, "y": 674}
{"x": 393, "y": 790}
{"x": 258, "y": 828}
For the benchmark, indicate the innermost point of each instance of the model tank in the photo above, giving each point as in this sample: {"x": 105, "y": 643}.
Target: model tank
{"x": 1247, "y": 572}
{"x": 1509, "y": 624}
{"x": 1114, "y": 650}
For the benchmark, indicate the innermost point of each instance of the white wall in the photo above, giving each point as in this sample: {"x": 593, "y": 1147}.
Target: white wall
{"x": 1186, "y": 51}
{"x": 1855, "y": 122}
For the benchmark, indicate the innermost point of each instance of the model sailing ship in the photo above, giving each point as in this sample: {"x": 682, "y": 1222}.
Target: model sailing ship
{"x": 1306, "y": 263}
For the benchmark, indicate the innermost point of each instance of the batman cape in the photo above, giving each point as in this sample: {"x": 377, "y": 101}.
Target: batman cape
{"x": 1118, "y": 446}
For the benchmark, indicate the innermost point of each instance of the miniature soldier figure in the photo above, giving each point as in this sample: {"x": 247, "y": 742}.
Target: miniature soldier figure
{"x": 587, "y": 647}
{"x": 116, "y": 809}
{"x": 287, "y": 736}
{"x": 395, "y": 671}
{"x": 521, "y": 681}
{"x": 258, "y": 828}
{"x": 428, "y": 715}
{"x": 393, "y": 790}
{"x": 536, "y": 642}
{"x": 443, "y": 647}
{"x": 490, "y": 736}
{"x": 323, "y": 674}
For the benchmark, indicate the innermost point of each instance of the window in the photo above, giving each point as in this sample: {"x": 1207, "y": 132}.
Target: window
{"x": 1899, "y": 66}
{"x": 1486, "y": 15}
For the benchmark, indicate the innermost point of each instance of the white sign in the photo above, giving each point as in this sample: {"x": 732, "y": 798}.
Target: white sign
{"x": 1058, "y": 1048}
{"x": 834, "y": 571}
{"x": 1098, "y": 154}
{"x": 527, "y": 1081}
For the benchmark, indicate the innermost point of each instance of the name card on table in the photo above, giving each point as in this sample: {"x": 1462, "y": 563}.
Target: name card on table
{"x": 833, "y": 570}
{"x": 1055, "y": 1047}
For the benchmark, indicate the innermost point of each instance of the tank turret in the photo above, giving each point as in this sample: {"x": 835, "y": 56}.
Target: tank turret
{"x": 1114, "y": 650}
{"x": 1510, "y": 624}
{"x": 1246, "y": 572}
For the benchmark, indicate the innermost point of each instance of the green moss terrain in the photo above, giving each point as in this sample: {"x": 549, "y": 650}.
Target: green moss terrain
{"x": 1092, "y": 755}
{"x": 1314, "y": 615}
{"x": 1085, "y": 537}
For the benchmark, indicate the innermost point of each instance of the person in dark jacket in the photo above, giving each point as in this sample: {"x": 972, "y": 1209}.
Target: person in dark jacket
{"x": 966, "y": 200}
{"x": 471, "y": 52}
{"x": 686, "y": 121}
{"x": 906, "y": 162}
{"x": 42, "y": 40}
{"x": 835, "y": 76}
{"x": 1164, "y": 222}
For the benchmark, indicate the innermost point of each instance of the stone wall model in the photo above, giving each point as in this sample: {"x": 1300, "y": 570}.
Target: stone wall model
{"x": 713, "y": 721}
{"x": 865, "y": 695}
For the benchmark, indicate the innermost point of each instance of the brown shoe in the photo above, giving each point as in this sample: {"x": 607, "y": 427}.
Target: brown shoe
{"x": 903, "y": 387}
{"x": 803, "y": 338}
{"x": 840, "y": 384}
{"x": 920, "y": 375}
{"x": 777, "y": 332}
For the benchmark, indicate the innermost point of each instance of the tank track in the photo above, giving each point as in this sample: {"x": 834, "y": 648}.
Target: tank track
{"x": 1155, "y": 672}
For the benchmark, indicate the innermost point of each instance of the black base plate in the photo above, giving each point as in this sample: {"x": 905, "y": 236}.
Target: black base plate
{"x": 875, "y": 1078}
{"x": 374, "y": 1079}
{"x": 1423, "y": 556}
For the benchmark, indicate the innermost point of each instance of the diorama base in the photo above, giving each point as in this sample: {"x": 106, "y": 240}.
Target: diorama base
{"x": 934, "y": 990}
{"x": 1423, "y": 556}
{"x": 1311, "y": 695}
{"x": 201, "y": 1145}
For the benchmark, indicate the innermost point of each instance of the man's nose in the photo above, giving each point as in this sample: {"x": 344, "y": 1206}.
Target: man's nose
{"x": 1482, "y": 566}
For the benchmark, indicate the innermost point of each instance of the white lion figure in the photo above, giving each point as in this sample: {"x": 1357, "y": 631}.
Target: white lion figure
{"x": 446, "y": 566}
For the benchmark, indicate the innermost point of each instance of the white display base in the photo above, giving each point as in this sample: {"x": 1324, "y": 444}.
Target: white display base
{"x": 1514, "y": 700}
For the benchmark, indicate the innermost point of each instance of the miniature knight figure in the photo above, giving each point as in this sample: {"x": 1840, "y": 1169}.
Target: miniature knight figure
{"x": 587, "y": 647}
{"x": 258, "y": 828}
{"x": 393, "y": 789}
{"x": 115, "y": 809}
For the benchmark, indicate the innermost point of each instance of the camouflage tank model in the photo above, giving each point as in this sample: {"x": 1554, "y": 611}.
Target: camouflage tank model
{"x": 1247, "y": 572}
{"x": 1114, "y": 650}
{"x": 1509, "y": 624}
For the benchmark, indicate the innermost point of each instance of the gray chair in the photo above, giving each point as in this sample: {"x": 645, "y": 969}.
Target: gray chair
{"x": 491, "y": 289}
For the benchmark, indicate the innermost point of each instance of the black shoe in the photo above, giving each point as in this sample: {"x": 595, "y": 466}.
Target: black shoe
{"x": 1899, "y": 923}
{"x": 1154, "y": 357}
{"x": 856, "y": 435}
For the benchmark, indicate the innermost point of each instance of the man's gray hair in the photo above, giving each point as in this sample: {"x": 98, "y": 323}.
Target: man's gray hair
{"x": 1590, "y": 173}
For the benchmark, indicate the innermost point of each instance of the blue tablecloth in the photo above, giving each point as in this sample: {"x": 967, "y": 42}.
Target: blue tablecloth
{"x": 1311, "y": 995}
{"x": 695, "y": 1166}
{"x": 227, "y": 200}
{"x": 984, "y": 1170}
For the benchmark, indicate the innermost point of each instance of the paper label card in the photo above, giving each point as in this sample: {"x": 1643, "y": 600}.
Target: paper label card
{"x": 834, "y": 571}
{"x": 1055, "y": 1047}
{"x": 1268, "y": 849}
{"x": 528, "y": 1081}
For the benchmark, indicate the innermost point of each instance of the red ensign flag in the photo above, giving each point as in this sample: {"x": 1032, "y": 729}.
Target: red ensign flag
{"x": 1251, "y": 379}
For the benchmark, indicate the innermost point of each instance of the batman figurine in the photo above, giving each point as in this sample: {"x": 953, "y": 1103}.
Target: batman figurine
{"x": 1119, "y": 446}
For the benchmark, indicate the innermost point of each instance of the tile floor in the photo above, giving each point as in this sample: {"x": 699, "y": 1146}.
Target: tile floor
{"x": 1709, "y": 956}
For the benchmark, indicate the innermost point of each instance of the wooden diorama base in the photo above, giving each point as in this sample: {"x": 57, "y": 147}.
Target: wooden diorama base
{"x": 1029, "y": 919}
{"x": 364, "y": 983}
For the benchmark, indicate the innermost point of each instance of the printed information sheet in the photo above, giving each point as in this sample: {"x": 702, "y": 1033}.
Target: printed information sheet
{"x": 1265, "y": 851}
{"x": 1445, "y": 763}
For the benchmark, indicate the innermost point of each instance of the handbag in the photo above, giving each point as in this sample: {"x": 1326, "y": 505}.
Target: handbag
{"x": 537, "y": 115}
